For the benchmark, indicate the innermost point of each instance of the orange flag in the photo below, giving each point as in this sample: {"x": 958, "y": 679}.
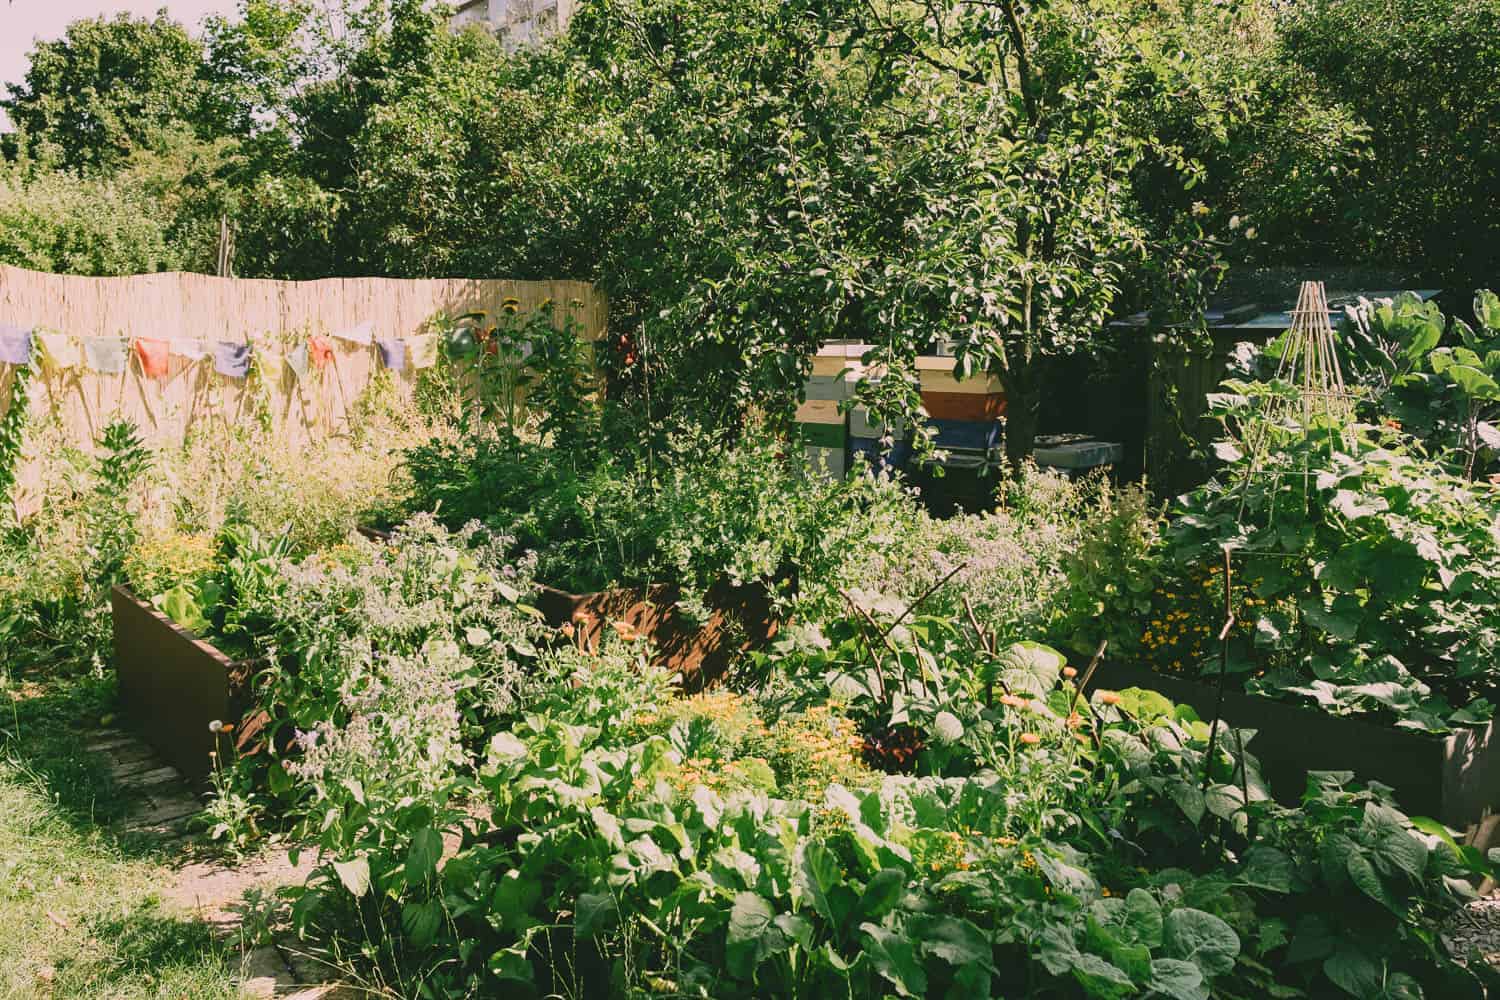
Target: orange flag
{"x": 319, "y": 350}
{"x": 155, "y": 356}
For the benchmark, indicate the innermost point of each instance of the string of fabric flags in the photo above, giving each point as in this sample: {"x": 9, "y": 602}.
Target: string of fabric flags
{"x": 111, "y": 355}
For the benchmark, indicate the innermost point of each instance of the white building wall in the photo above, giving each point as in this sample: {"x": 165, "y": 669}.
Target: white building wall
{"x": 517, "y": 22}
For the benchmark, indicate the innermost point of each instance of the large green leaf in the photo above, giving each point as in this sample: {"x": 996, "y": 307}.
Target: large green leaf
{"x": 1203, "y": 939}
{"x": 1266, "y": 868}
{"x": 1354, "y": 972}
{"x": 1143, "y": 918}
{"x": 1031, "y": 668}
{"x": 1487, "y": 309}
{"x": 824, "y": 882}
{"x": 952, "y": 939}
{"x": 882, "y": 893}
{"x": 424, "y": 854}
{"x": 1178, "y": 979}
{"x": 1365, "y": 878}
{"x": 893, "y": 957}
{"x": 420, "y": 922}
{"x": 1401, "y": 849}
{"x": 1099, "y": 978}
{"x": 595, "y": 913}
{"x": 355, "y": 874}
{"x": 753, "y": 936}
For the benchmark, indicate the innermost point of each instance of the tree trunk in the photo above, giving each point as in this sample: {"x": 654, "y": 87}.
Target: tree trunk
{"x": 1023, "y": 404}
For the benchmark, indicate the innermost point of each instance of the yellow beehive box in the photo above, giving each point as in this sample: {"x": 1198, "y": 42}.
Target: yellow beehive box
{"x": 834, "y": 359}
{"x": 819, "y": 411}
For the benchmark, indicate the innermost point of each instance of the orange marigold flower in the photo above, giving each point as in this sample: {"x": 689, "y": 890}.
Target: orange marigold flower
{"x": 1109, "y": 697}
{"x": 1030, "y": 739}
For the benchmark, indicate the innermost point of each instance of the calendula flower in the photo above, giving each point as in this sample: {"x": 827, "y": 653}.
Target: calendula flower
{"x": 1109, "y": 697}
{"x": 1030, "y": 739}
{"x": 626, "y": 631}
{"x": 1069, "y": 672}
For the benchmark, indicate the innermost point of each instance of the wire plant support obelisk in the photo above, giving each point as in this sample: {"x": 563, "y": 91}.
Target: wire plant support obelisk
{"x": 1310, "y": 364}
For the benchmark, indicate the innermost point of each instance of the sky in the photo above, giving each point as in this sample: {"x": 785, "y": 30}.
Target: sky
{"x": 22, "y": 22}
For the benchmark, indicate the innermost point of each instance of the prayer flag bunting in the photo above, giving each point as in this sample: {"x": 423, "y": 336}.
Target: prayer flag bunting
{"x": 59, "y": 351}
{"x": 106, "y": 355}
{"x": 319, "y": 350}
{"x": 392, "y": 353}
{"x": 422, "y": 350}
{"x": 193, "y": 350}
{"x": 232, "y": 359}
{"x": 361, "y": 334}
{"x": 15, "y": 345}
{"x": 296, "y": 360}
{"x": 155, "y": 355}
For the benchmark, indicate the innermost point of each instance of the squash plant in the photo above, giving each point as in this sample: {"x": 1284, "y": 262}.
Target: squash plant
{"x": 1379, "y": 570}
{"x": 1439, "y": 380}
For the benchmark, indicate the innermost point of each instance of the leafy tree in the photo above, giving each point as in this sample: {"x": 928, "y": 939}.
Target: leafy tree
{"x": 895, "y": 173}
{"x": 109, "y": 87}
{"x": 1419, "y": 75}
{"x": 157, "y": 213}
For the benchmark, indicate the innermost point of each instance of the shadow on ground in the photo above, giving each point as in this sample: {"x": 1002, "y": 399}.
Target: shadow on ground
{"x": 149, "y": 952}
{"x": 45, "y": 731}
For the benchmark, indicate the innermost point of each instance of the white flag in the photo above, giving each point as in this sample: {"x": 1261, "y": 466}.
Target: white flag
{"x": 362, "y": 334}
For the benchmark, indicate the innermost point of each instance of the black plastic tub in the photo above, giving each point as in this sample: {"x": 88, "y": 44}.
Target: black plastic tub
{"x": 1453, "y": 778}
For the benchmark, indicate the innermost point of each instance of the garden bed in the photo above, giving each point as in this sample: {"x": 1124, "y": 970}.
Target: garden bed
{"x": 1454, "y": 778}
{"x": 173, "y": 684}
{"x": 701, "y": 651}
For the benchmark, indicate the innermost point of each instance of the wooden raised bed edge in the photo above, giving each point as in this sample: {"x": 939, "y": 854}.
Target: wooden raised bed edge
{"x": 173, "y": 684}
{"x": 741, "y": 620}
{"x": 1453, "y": 778}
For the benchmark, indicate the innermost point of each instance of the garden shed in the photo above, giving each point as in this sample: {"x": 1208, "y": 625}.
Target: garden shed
{"x": 1173, "y": 426}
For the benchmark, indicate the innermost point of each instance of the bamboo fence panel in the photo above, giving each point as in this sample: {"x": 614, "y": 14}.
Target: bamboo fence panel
{"x": 275, "y": 316}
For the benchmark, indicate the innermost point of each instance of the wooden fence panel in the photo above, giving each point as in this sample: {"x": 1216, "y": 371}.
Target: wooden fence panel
{"x": 275, "y": 316}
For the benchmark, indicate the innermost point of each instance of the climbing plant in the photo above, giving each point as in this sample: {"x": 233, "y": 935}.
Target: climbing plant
{"x": 13, "y": 427}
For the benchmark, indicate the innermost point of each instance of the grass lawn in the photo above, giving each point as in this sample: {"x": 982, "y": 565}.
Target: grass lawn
{"x": 79, "y": 912}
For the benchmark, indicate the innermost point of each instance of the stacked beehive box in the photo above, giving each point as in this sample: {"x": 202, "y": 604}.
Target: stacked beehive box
{"x": 820, "y": 420}
{"x": 964, "y": 413}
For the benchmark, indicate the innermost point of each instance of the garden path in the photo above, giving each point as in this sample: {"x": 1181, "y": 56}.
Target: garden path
{"x": 226, "y": 894}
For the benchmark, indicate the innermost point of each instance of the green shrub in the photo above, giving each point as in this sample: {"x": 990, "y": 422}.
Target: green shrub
{"x": 749, "y": 514}
{"x": 1058, "y": 558}
{"x": 597, "y": 870}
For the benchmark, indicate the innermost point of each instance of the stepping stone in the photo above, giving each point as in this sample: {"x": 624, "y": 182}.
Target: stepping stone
{"x": 160, "y": 775}
{"x": 161, "y": 817}
{"x": 111, "y": 739}
{"x": 126, "y": 772}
